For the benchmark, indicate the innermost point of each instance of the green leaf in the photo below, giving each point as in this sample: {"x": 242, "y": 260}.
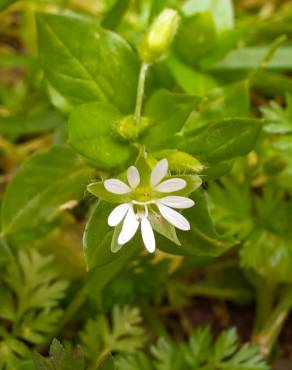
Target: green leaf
{"x": 98, "y": 236}
{"x": 202, "y": 240}
{"x": 167, "y": 355}
{"x": 190, "y": 80}
{"x": 198, "y": 349}
{"x": 229, "y": 101}
{"x": 189, "y": 48}
{"x": 4, "y": 4}
{"x": 231, "y": 204}
{"x": 168, "y": 113}
{"x": 224, "y": 354}
{"x": 5, "y": 253}
{"x": 99, "y": 277}
{"x": 278, "y": 119}
{"x": 11, "y": 350}
{"x": 221, "y": 140}
{"x": 222, "y": 11}
{"x": 91, "y": 133}
{"x": 108, "y": 364}
{"x": 123, "y": 334}
{"x": 251, "y": 57}
{"x": 269, "y": 254}
{"x": 115, "y": 14}
{"x": 83, "y": 62}
{"x": 16, "y": 126}
{"x": 60, "y": 358}
{"x": 135, "y": 361}
{"x": 37, "y": 290}
{"x": 40, "y": 187}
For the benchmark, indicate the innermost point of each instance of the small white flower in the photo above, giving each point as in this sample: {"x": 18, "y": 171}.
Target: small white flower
{"x": 145, "y": 200}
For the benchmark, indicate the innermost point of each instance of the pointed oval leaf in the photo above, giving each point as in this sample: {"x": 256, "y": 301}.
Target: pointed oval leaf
{"x": 91, "y": 133}
{"x": 83, "y": 62}
{"x": 40, "y": 187}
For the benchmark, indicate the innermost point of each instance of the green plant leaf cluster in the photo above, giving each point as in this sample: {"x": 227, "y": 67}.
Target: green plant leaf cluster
{"x": 123, "y": 334}
{"x": 31, "y": 291}
{"x": 79, "y": 106}
{"x": 198, "y": 353}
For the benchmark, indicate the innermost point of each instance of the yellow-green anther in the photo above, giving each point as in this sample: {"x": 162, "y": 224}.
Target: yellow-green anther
{"x": 159, "y": 36}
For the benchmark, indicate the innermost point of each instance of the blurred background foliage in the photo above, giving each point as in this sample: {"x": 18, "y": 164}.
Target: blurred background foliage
{"x": 237, "y": 57}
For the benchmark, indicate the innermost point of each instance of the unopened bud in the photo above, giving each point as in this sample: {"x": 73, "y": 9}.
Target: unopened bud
{"x": 160, "y": 35}
{"x": 128, "y": 129}
{"x": 180, "y": 161}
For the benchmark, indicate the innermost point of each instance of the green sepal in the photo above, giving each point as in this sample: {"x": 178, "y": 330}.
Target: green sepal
{"x": 144, "y": 163}
{"x": 164, "y": 228}
{"x": 115, "y": 246}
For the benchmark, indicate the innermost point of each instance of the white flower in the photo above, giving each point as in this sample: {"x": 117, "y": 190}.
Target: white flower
{"x": 144, "y": 200}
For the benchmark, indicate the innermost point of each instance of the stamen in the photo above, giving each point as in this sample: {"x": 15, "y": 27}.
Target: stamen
{"x": 146, "y": 211}
{"x": 136, "y": 202}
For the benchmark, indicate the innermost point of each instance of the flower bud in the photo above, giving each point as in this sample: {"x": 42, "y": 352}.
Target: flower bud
{"x": 128, "y": 130}
{"x": 160, "y": 35}
{"x": 180, "y": 161}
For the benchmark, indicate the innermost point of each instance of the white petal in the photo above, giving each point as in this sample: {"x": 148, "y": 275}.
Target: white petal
{"x": 130, "y": 227}
{"x": 117, "y": 214}
{"x": 148, "y": 235}
{"x": 159, "y": 172}
{"x": 173, "y": 217}
{"x": 177, "y": 202}
{"x": 116, "y": 186}
{"x": 133, "y": 177}
{"x": 171, "y": 185}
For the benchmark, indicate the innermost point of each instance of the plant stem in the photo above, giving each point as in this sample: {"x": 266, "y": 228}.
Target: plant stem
{"x": 140, "y": 92}
{"x": 99, "y": 360}
{"x": 267, "y": 337}
{"x": 266, "y": 291}
{"x": 267, "y": 58}
{"x": 219, "y": 292}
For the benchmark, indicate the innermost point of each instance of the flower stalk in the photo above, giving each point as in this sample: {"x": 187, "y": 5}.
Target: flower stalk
{"x": 140, "y": 92}
{"x": 268, "y": 335}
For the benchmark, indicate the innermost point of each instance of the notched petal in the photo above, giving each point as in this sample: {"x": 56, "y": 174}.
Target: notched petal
{"x": 133, "y": 177}
{"x": 173, "y": 217}
{"x": 171, "y": 185}
{"x": 159, "y": 172}
{"x": 129, "y": 228}
{"x": 116, "y": 186}
{"x": 148, "y": 235}
{"x": 175, "y": 201}
{"x": 117, "y": 214}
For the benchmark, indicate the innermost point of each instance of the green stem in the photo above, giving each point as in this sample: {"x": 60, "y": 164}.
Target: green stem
{"x": 219, "y": 292}
{"x": 140, "y": 92}
{"x": 266, "y": 292}
{"x": 267, "y": 58}
{"x": 99, "y": 360}
{"x": 267, "y": 337}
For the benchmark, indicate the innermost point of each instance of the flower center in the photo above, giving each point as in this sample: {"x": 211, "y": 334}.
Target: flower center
{"x": 142, "y": 195}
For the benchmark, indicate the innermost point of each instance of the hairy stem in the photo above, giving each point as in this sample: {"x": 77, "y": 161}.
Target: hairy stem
{"x": 140, "y": 92}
